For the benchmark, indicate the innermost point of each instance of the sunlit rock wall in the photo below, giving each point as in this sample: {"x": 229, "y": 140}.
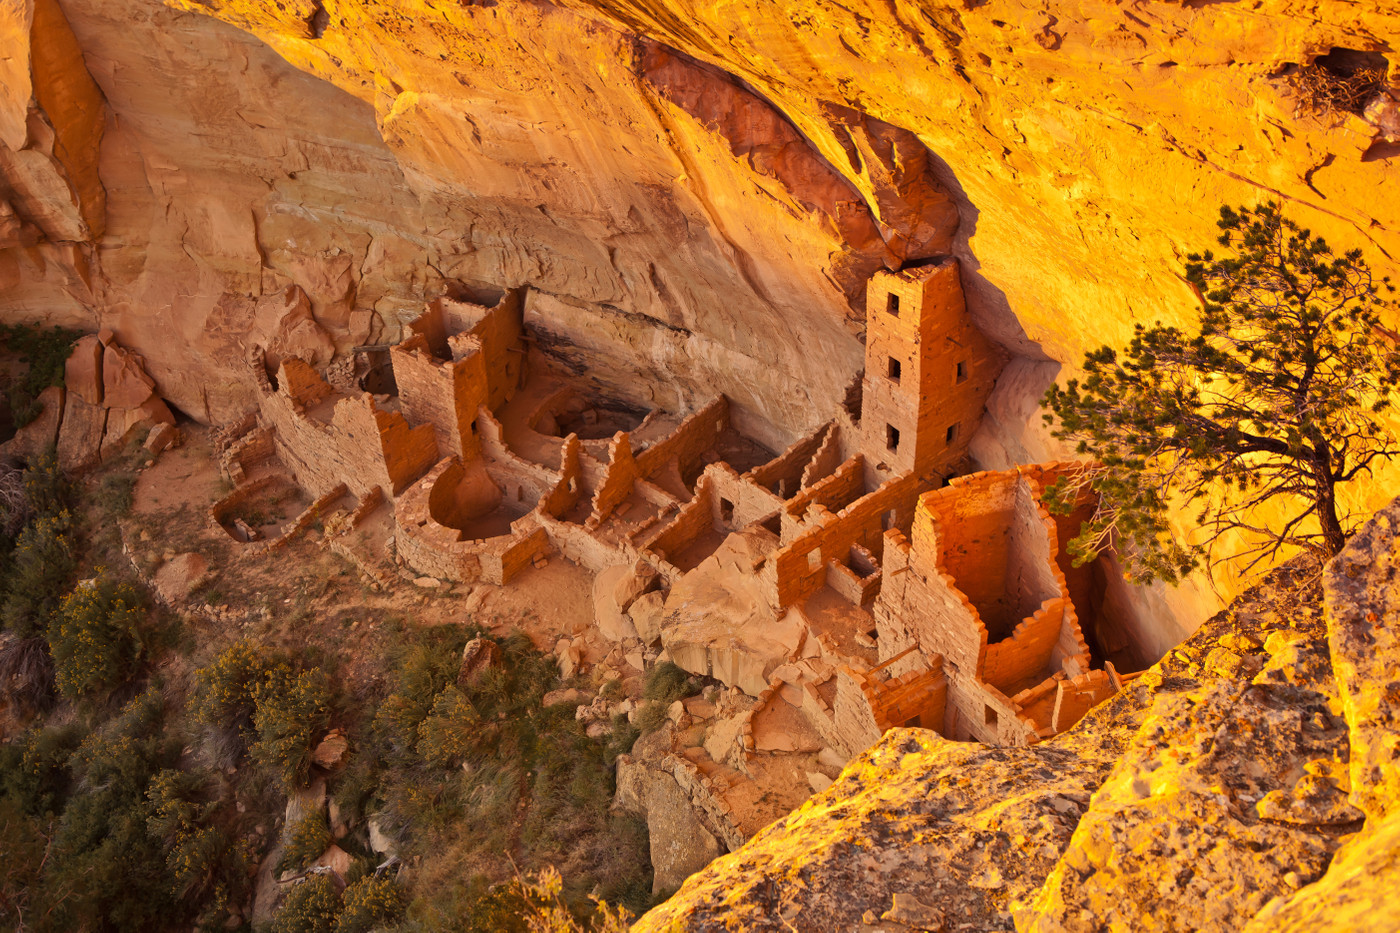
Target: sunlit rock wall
{"x": 714, "y": 180}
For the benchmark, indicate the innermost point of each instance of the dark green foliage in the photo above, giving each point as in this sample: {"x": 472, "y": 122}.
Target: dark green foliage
{"x": 651, "y": 716}
{"x": 41, "y": 567}
{"x": 117, "y": 491}
{"x": 110, "y": 870}
{"x": 292, "y": 713}
{"x": 307, "y": 840}
{"x": 370, "y": 903}
{"x": 95, "y": 638}
{"x": 666, "y": 683}
{"x": 311, "y": 906}
{"x": 225, "y": 691}
{"x": 485, "y": 768}
{"x": 37, "y": 549}
{"x": 276, "y": 711}
{"x": 45, "y": 350}
{"x": 1273, "y": 403}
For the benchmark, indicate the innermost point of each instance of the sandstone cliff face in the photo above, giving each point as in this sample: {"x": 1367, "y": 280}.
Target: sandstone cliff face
{"x": 1245, "y": 782}
{"x": 699, "y": 187}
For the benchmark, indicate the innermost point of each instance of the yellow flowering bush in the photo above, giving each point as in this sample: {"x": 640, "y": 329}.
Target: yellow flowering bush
{"x": 94, "y": 638}
{"x": 371, "y": 902}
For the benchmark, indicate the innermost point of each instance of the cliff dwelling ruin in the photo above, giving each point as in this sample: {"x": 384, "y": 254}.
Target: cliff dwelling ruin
{"x": 857, "y": 581}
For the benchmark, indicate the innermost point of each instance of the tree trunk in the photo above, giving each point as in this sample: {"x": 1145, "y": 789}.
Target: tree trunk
{"x": 1333, "y": 537}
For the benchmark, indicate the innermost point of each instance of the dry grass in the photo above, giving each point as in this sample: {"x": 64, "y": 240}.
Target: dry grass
{"x": 1329, "y": 95}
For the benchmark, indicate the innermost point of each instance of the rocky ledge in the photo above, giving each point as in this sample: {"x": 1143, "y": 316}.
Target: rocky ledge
{"x": 1249, "y": 781}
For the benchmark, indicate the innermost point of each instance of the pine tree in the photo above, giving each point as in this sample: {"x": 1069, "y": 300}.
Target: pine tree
{"x": 1276, "y": 399}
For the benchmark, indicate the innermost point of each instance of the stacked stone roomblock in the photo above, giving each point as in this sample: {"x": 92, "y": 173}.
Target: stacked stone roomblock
{"x": 928, "y": 372}
{"x": 977, "y": 583}
{"x": 460, "y": 358}
{"x": 326, "y": 438}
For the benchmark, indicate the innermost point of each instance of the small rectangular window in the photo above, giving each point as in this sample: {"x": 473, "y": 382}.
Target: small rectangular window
{"x": 892, "y": 304}
{"x": 951, "y": 434}
{"x": 894, "y": 370}
{"x": 991, "y": 717}
{"x": 814, "y": 559}
{"x": 962, "y": 371}
{"x": 892, "y": 437}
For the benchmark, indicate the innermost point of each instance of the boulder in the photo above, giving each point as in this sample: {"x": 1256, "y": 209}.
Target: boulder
{"x": 124, "y": 425}
{"x": 634, "y": 584}
{"x": 36, "y": 437}
{"x": 82, "y": 373}
{"x": 570, "y": 654}
{"x": 723, "y": 734}
{"x": 646, "y": 614}
{"x": 479, "y": 656}
{"x": 681, "y": 844}
{"x": 336, "y": 859}
{"x": 125, "y": 383}
{"x": 380, "y": 841}
{"x": 162, "y": 438}
{"x": 304, "y": 802}
{"x": 80, "y": 434}
{"x": 331, "y": 752}
{"x": 611, "y": 619}
{"x": 1361, "y": 602}
{"x": 718, "y": 623}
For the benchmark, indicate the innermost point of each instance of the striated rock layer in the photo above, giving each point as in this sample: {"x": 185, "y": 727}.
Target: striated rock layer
{"x": 698, "y": 188}
{"x": 1245, "y": 782}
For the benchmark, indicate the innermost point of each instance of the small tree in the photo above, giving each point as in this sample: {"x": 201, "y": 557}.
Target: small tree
{"x": 1274, "y": 400}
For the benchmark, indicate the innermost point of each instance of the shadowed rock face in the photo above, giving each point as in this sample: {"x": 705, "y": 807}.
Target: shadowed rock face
{"x": 712, "y": 181}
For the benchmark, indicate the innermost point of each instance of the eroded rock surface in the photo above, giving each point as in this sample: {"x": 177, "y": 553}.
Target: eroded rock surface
{"x": 1211, "y": 791}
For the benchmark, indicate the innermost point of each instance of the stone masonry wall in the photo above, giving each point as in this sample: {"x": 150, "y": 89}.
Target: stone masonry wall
{"x": 362, "y": 446}
{"x": 835, "y": 491}
{"x": 688, "y": 442}
{"x": 783, "y": 474}
{"x": 748, "y": 501}
{"x": 441, "y": 393}
{"x": 619, "y": 477}
{"x": 928, "y": 371}
{"x": 801, "y": 564}
{"x": 693, "y": 520}
{"x": 1026, "y": 653}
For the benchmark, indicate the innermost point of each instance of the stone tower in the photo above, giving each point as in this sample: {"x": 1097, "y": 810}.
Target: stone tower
{"x": 928, "y": 372}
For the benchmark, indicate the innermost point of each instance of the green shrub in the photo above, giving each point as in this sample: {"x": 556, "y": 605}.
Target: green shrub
{"x": 45, "y": 350}
{"x": 372, "y": 902}
{"x": 666, "y": 683}
{"x": 43, "y": 562}
{"x": 117, "y": 491}
{"x": 95, "y": 638}
{"x": 34, "y": 770}
{"x": 291, "y": 712}
{"x": 446, "y": 735}
{"x": 423, "y": 673}
{"x": 305, "y": 843}
{"x": 225, "y": 691}
{"x": 651, "y": 716}
{"x": 311, "y": 906}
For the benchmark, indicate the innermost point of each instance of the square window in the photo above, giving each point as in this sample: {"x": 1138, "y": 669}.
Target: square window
{"x": 892, "y": 304}
{"x": 894, "y": 370}
{"x": 962, "y": 371}
{"x": 951, "y": 434}
{"x": 892, "y": 437}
